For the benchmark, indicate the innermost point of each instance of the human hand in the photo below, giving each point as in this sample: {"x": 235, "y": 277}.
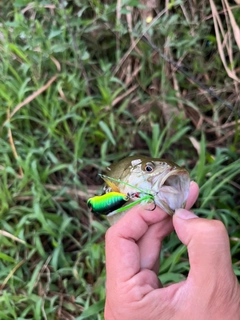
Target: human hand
{"x": 133, "y": 290}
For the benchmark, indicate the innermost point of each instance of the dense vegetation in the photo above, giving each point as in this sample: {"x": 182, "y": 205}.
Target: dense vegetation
{"x": 80, "y": 88}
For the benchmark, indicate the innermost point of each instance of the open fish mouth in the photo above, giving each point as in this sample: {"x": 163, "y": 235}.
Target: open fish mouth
{"x": 172, "y": 190}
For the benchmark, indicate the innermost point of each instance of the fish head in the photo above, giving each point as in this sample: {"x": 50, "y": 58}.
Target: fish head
{"x": 168, "y": 182}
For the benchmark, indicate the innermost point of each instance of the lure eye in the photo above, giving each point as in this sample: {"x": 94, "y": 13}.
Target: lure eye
{"x": 149, "y": 167}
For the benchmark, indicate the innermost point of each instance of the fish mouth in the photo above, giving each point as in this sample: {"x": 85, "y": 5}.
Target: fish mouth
{"x": 172, "y": 190}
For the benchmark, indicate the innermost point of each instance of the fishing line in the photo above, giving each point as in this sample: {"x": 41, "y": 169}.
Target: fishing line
{"x": 188, "y": 75}
{"x": 148, "y": 195}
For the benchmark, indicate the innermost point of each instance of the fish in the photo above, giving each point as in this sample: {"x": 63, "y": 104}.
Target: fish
{"x": 164, "y": 179}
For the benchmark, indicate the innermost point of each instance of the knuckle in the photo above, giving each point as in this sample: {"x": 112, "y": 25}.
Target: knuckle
{"x": 210, "y": 229}
{"x": 214, "y": 229}
{"x": 218, "y": 227}
{"x": 111, "y": 234}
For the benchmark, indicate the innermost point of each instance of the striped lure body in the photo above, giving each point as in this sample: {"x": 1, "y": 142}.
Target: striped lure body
{"x": 107, "y": 202}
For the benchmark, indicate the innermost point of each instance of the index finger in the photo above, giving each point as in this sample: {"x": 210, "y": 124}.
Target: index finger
{"x": 122, "y": 251}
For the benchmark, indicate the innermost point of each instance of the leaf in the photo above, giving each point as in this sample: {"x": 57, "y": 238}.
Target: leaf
{"x": 107, "y": 131}
{"x": 5, "y": 257}
{"x": 202, "y": 159}
{"x": 94, "y": 309}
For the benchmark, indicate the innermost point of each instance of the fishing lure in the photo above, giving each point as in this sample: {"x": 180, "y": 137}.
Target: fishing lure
{"x": 145, "y": 180}
{"x": 146, "y": 197}
{"x": 141, "y": 195}
{"x": 112, "y": 202}
{"x": 107, "y": 202}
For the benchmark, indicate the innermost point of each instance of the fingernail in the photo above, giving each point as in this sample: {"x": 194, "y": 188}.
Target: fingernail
{"x": 185, "y": 214}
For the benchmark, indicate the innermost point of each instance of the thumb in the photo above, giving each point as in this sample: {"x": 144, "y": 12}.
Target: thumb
{"x": 208, "y": 247}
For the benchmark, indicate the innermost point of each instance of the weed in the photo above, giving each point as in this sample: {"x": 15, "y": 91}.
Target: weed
{"x": 79, "y": 88}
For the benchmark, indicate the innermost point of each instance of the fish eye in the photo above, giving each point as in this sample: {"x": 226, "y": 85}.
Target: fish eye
{"x": 149, "y": 167}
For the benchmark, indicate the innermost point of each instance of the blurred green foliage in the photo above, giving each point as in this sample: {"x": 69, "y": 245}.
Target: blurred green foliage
{"x": 104, "y": 102}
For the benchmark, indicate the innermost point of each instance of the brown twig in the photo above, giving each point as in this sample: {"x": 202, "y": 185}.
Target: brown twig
{"x": 11, "y": 236}
{"x": 136, "y": 41}
{"x": 220, "y": 33}
{"x": 11, "y": 274}
{"x": 124, "y": 95}
{"x": 30, "y": 98}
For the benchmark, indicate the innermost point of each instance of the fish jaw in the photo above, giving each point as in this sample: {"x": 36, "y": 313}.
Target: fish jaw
{"x": 172, "y": 190}
{"x": 170, "y": 187}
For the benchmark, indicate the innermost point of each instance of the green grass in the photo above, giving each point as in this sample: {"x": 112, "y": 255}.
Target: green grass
{"x": 99, "y": 108}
